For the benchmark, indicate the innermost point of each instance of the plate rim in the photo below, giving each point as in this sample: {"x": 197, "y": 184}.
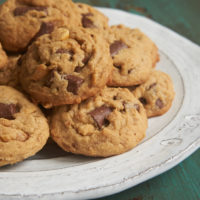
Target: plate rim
{"x": 126, "y": 182}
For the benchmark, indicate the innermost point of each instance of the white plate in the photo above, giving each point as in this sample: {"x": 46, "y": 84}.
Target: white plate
{"x": 53, "y": 174}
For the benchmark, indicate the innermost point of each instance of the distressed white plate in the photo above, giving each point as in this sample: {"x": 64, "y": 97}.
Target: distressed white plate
{"x": 53, "y": 174}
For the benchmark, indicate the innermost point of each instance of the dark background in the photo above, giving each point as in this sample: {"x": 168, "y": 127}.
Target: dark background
{"x": 183, "y": 16}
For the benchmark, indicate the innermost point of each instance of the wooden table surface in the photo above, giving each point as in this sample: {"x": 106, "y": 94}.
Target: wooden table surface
{"x": 183, "y": 16}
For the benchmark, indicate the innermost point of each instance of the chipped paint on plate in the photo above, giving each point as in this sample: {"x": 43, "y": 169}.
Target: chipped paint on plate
{"x": 54, "y": 174}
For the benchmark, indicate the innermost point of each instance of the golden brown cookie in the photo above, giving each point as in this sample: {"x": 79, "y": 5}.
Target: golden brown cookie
{"x": 3, "y": 57}
{"x": 23, "y": 127}
{"x": 10, "y": 72}
{"x": 111, "y": 123}
{"x": 156, "y": 94}
{"x": 21, "y": 21}
{"x": 92, "y": 18}
{"x": 133, "y": 53}
{"x": 65, "y": 67}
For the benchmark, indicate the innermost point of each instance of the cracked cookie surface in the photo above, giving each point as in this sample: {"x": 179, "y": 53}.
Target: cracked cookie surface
{"x": 156, "y": 94}
{"x": 23, "y": 127}
{"x": 134, "y": 55}
{"x": 21, "y": 21}
{"x": 111, "y": 123}
{"x": 65, "y": 67}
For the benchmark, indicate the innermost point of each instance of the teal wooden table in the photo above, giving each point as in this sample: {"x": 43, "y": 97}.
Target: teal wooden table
{"x": 183, "y": 16}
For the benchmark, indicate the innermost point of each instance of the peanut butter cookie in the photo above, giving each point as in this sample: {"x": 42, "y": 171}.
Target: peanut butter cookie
{"x": 23, "y": 128}
{"x": 65, "y": 67}
{"x": 156, "y": 94}
{"x": 3, "y": 57}
{"x": 111, "y": 123}
{"x": 9, "y": 74}
{"x": 134, "y": 56}
{"x": 21, "y": 21}
{"x": 92, "y": 18}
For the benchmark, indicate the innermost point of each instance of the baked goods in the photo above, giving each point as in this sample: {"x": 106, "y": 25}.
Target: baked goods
{"x": 110, "y": 123}
{"x": 133, "y": 54}
{"x": 23, "y": 127}
{"x": 156, "y": 94}
{"x": 92, "y": 18}
{"x": 65, "y": 67}
{"x": 9, "y": 72}
{"x": 64, "y": 54}
{"x": 22, "y": 21}
{"x": 3, "y": 57}
{"x": 9, "y": 69}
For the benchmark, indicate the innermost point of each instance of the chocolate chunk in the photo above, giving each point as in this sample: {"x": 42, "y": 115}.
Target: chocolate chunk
{"x": 143, "y": 100}
{"x": 159, "y": 103}
{"x": 86, "y": 59}
{"x": 8, "y": 110}
{"x": 23, "y": 10}
{"x": 74, "y": 82}
{"x": 129, "y": 71}
{"x": 61, "y": 51}
{"x": 45, "y": 28}
{"x": 137, "y": 107}
{"x": 100, "y": 115}
{"x": 78, "y": 69}
{"x": 115, "y": 98}
{"x": 48, "y": 64}
{"x": 106, "y": 122}
{"x": 116, "y": 46}
{"x": 85, "y": 62}
{"x": 86, "y": 22}
{"x": 152, "y": 85}
{"x": 118, "y": 67}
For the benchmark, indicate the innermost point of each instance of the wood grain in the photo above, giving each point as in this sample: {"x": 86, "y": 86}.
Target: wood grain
{"x": 183, "y": 181}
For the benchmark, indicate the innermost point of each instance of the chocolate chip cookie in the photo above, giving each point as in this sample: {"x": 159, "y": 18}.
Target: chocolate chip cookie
{"x": 92, "y": 18}
{"x": 21, "y": 21}
{"x": 10, "y": 72}
{"x": 111, "y": 123}
{"x": 23, "y": 128}
{"x": 156, "y": 94}
{"x": 3, "y": 57}
{"x": 133, "y": 53}
{"x": 65, "y": 67}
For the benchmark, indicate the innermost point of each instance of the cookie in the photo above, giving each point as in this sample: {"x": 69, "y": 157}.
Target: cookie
{"x": 111, "y": 123}
{"x": 65, "y": 67}
{"x": 156, "y": 94}
{"x": 3, "y": 57}
{"x": 23, "y": 128}
{"x": 21, "y": 21}
{"x": 133, "y": 53}
{"x": 92, "y": 18}
{"x": 10, "y": 72}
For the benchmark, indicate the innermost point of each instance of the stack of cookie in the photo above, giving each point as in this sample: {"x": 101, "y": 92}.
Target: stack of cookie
{"x": 100, "y": 81}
